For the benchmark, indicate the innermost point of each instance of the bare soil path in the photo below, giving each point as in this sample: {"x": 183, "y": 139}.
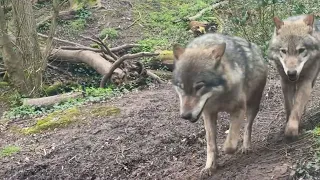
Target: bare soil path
{"x": 148, "y": 140}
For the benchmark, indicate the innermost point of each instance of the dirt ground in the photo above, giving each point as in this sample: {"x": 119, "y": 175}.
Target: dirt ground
{"x": 148, "y": 140}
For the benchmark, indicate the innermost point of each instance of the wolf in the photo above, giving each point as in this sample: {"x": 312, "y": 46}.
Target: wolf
{"x": 219, "y": 73}
{"x": 294, "y": 50}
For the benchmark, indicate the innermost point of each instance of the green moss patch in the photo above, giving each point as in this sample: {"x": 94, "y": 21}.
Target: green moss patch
{"x": 103, "y": 111}
{"x": 9, "y": 150}
{"x": 53, "y": 120}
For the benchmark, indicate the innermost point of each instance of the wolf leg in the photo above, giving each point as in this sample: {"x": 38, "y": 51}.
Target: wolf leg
{"x": 303, "y": 93}
{"x": 252, "y": 111}
{"x": 230, "y": 145}
{"x": 210, "y": 124}
{"x": 288, "y": 90}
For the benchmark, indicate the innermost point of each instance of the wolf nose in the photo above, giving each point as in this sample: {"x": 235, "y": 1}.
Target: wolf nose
{"x": 186, "y": 115}
{"x": 292, "y": 73}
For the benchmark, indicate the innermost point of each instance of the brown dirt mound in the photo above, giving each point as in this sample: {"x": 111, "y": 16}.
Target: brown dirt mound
{"x": 149, "y": 141}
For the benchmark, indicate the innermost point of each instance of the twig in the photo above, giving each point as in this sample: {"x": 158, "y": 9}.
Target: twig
{"x": 58, "y": 69}
{"x": 125, "y": 46}
{"x": 134, "y": 21}
{"x": 200, "y": 13}
{"x": 154, "y": 76}
{"x": 101, "y": 45}
{"x": 106, "y": 48}
{"x": 60, "y": 40}
{"x": 120, "y": 60}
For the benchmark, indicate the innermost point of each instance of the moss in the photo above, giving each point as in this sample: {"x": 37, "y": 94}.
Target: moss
{"x": 9, "y": 150}
{"x": 317, "y": 131}
{"x": 105, "y": 111}
{"x": 95, "y": 45}
{"x": 53, "y": 89}
{"x": 3, "y": 84}
{"x": 53, "y": 120}
{"x": 59, "y": 87}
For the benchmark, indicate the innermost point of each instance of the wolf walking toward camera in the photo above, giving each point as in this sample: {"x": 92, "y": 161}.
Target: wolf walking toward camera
{"x": 217, "y": 73}
{"x": 294, "y": 49}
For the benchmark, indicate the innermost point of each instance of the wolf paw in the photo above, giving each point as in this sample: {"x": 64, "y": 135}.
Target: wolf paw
{"x": 228, "y": 148}
{"x": 292, "y": 129}
{"x": 207, "y": 172}
{"x": 245, "y": 150}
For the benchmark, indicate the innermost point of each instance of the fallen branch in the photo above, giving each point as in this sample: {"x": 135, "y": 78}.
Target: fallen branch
{"x": 115, "y": 65}
{"x": 105, "y": 48}
{"x": 91, "y": 58}
{"x": 154, "y": 76}
{"x": 200, "y": 13}
{"x": 61, "y": 40}
{"x": 115, "y": 49}
{"x": 51, "y": 100}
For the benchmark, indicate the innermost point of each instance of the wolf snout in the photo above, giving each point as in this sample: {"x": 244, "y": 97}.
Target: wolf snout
{"x": 188, "y": 116}
{"x": 292, "y": 75}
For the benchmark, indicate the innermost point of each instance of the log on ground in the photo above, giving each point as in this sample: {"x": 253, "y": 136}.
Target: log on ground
{"x": 51, "y": 100}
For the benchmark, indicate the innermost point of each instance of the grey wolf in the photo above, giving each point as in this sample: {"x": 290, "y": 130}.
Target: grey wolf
{"x": 294, "y": 50}
{"x": 215, "y": 73}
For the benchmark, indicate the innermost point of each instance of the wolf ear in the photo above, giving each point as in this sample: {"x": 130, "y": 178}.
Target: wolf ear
{"x": 218, "y": 51}
{"x": 309, "y": 20}
{"x": 177, "y": 51}
{"x": 278, "y": 23}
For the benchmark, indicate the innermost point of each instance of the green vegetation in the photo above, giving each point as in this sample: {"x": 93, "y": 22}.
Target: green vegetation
{"x": 78, "y": 24}
{"x": 311, "y": 169}
{"x": 9, "y": 150}
{"x": 92, "y": 95}
{"x": 54, "y": 120}
{"x": 163, "y": 24}
{"x": 109, "y": 33}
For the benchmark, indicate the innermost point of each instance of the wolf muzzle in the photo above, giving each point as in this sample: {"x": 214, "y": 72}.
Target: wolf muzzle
{"x": 190, "y": 117}
{"x": 292, "y": 75}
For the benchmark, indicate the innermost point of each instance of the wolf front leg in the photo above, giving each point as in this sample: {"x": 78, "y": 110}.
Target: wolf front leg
{"x": 303, "y": 93}
{"x": 210, "y": 124}
{"x": 288, "y": 90}
{"x": 237, "y": 117}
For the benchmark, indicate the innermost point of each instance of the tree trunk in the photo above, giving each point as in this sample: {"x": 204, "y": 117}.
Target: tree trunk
{"x": 11, "y": 59}
{"x": 27, "y": 47}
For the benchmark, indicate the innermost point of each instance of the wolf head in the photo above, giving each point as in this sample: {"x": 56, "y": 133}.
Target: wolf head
{"x": 196, "y": 78}
{"x": 293, "y": 44}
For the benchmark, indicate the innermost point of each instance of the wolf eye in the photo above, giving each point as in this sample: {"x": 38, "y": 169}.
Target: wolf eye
{"x": 199, "y": 86}
{"x": 301, "y": 50}
{"x": 283, "y": 51}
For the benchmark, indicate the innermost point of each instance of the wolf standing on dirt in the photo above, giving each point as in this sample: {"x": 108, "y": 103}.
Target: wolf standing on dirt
{"x": 294, "y": 48}
{"x": 217, "y": 73}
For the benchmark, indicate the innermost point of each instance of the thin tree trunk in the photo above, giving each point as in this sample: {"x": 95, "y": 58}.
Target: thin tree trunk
{"x": 27, "y": 46}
